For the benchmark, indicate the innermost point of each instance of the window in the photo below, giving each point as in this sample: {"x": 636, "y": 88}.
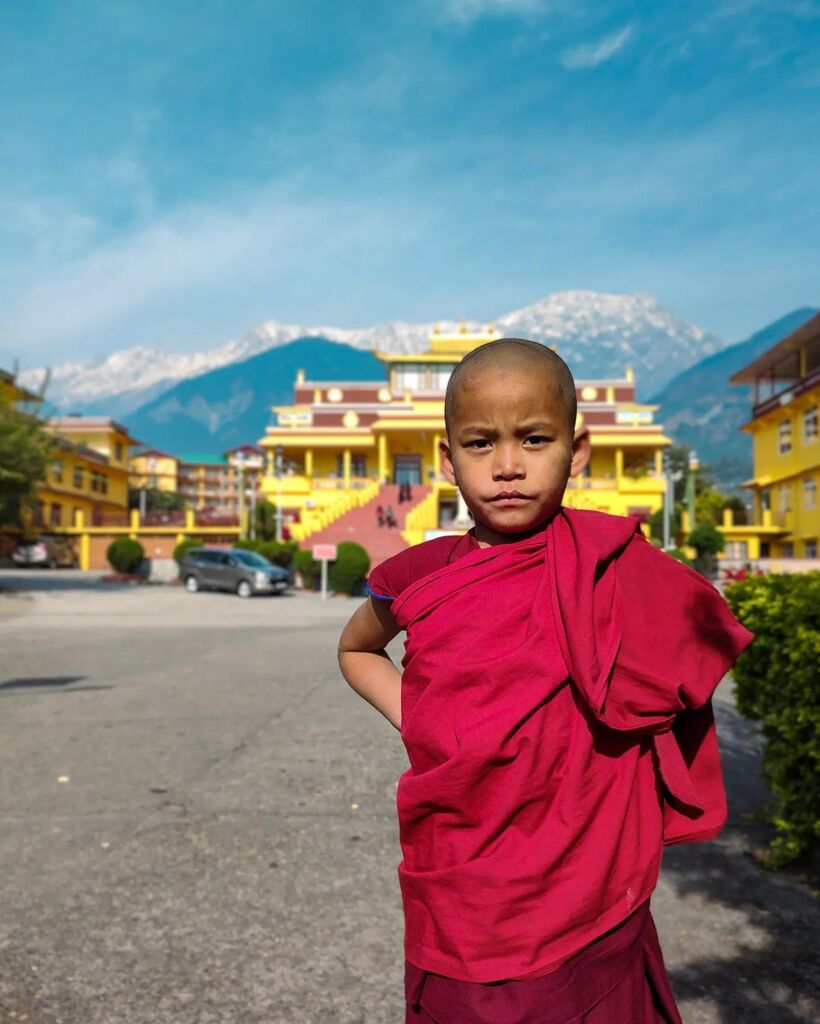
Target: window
{"x": 765, "y": 499}
{"x": 409, "y": 377}
{"x": 787, "y": 549}
{"x": 57, "y": 472}
{"x": 78, "y": 476}
{"x": 737, "y": 549}
{"x": 785, "y": 498}
{"x": 152, "y": 481}
{"x": 784, "y": 437}
{"x": 810, "y": 425}
{"x": 439, "y": 376}
{"x": 809, "y": 493}
{"x": 103, "y": 484}
{"x": 810, "y": 548}
{"x": 55, "y": 516}
{"x": 118, "y": 451}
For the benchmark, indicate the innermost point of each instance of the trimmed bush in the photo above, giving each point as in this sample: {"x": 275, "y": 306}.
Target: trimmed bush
{"x": 707, "y": 540}
{"x": 125, "y": 555}
{"x": 777, "y": 684}
{"x": 184, "y": 546}
{"x": 310, "y": 570}
{"x": 279, "y": 552}
{"x": 347, "y": 574}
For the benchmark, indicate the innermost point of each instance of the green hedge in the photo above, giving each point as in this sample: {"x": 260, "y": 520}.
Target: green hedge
{"x": 308, "y": 568}
{"x": 777, "y": 682}
{"x": 125, "y": 555}
{"x": 184, "y": 546}
{"x": 347, "y": 574}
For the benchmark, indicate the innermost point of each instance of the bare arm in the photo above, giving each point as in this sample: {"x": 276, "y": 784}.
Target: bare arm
{"x": 364, "y": 662}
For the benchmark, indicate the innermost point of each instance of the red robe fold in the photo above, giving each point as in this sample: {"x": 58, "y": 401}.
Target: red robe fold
{"x": 555, "y": 710}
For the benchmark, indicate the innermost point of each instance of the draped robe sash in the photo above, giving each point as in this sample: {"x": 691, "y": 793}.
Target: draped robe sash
{"x": 556, "y": 716}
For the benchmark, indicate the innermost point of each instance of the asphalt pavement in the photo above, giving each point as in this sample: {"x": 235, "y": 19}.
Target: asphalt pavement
{"x": 197, "y": 826}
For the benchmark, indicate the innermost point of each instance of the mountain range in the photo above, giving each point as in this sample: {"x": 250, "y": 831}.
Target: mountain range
{"x": 598, "y": 334}
{"x": 207, "y": 402}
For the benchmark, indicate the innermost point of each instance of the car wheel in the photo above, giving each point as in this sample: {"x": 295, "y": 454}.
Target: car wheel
{"x": 51, "y": 563}
{"x": 244, "y": 589}
{"x": 191, "y": 584}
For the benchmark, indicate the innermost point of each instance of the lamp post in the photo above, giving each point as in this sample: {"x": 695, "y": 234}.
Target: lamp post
{"x": 690, "y": 488}
{"x": 278, "y": 513}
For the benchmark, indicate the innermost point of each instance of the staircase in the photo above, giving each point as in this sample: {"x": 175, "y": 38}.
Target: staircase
{"x": 361, "y": 526}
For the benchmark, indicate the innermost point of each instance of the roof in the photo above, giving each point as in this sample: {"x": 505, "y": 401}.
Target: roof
{"x": 154, "y": 451}
{"x": 778, "y": 361}
{"x": 89, "y": 423}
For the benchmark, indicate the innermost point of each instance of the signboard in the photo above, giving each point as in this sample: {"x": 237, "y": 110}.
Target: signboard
{"x": 324, "y": 552}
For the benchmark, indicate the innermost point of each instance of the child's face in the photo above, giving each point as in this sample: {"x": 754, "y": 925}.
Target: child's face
{"x": 510, "y": 449}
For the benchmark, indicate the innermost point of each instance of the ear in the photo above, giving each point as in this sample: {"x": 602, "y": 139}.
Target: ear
{"x": 447, "y": 467}
{"x": 581, "y": 452}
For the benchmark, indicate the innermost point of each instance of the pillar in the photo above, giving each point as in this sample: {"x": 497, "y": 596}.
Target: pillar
{"x": 659, "y": 462}
{"x": 436, "y": 457}
{"x": 189, "y": 519}
{"x": 308, "y": 462}
{"x": 619, "y": 464}
{"x": 134, "y": 523}
{"x": 728, "y": 518}
{"x": 269, "y": 461}
{"x": 346, "y": 468}
{"x": 383, "y": 458}
{"x": 85, "y": 551}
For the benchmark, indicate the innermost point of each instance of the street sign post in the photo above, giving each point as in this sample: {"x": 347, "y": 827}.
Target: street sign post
{"x": 324, "y": 553}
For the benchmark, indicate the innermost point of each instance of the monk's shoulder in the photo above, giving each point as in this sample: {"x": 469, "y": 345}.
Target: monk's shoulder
{"x": 396, "y": 573}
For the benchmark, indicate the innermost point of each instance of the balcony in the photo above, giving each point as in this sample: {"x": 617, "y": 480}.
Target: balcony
{"x": 792, "y": 389}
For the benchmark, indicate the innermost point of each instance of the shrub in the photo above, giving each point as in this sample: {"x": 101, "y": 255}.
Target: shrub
{"x": 347, "y": 574}
{"x": 308, "y": 568}
{"x": 184, "y": 547}
{"x": 125, "y": 555}
{"x": 279, "y": 552}
{"x": 707, "y": 540}
{"x": 776, "y": 682}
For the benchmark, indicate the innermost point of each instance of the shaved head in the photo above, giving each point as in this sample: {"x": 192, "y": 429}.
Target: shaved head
{"x": 512, "y": 354}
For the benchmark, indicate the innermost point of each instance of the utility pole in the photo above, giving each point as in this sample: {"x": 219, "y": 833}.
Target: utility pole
{"x": 690, "y": 488}
{"x": 278, "y": 514}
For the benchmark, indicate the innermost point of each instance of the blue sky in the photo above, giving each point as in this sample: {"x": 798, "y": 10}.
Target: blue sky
{"x": 174, "y": 173}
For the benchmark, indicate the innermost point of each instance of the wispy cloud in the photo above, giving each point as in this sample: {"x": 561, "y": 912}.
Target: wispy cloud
{"x": 590, "y": 55}
{"x": 471, "y": 10}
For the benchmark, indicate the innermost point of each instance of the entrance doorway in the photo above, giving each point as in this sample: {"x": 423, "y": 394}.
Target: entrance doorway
{"x": 407, "y": 469}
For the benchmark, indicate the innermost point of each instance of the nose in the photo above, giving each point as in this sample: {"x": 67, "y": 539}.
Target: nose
{"x": 508, "y": 464}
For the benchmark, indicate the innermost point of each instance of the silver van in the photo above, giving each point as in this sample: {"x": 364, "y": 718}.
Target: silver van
{"x": 241, "y": 572}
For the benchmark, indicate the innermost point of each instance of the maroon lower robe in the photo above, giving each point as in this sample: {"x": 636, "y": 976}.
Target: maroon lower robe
{"x": 620, "y": 978}
{"x": 556, "y": 714}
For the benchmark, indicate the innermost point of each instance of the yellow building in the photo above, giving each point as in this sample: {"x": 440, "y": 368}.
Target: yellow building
{"x": 12, "y": 393}
{"x": 154, "y": 470}
{"x": 340, "y": 443}
{"x": 786, "y": 450}
{"x": 88, "y": 477}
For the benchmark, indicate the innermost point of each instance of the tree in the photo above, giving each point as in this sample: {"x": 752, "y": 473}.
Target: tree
{"x": 707, "y": 540}
{"x": 26, "y": 450}
{"x": 264, "y": 520}
{"x": 677, "y": 462}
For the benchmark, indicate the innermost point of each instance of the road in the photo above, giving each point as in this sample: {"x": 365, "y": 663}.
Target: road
{"x": 198, "y": 827}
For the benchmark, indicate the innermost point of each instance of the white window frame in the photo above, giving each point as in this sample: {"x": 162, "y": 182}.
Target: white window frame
{"x": 784, "y": 437}
{"x": 809, "y": 493}
{"x": 810, "y": 431}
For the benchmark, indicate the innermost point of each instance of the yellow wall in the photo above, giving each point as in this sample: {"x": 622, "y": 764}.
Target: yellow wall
{"x": 95, "y": 486}
{"x": 783, "y": 476}
{"x": 159, "y": 471}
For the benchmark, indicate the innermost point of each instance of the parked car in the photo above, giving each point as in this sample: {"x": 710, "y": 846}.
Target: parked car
{"x": 47, "y": 552}
{"x": 243, "y": 572}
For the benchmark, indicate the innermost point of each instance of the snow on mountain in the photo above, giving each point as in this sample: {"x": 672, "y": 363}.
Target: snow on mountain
{"x": 598, "y": 335}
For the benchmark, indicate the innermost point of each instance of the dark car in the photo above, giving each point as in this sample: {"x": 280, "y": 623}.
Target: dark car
{"x": 47, "y": 552}
{"x": 242, "y": 572}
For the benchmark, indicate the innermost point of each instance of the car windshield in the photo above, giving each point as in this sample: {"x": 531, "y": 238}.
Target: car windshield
{"x": 251, "y": 558}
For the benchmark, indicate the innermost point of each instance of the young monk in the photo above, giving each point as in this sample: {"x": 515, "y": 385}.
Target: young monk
{"x": 555, "y": 707}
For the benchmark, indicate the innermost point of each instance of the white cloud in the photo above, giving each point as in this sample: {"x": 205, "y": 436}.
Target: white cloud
{"x": 590, "y": 55}
{"x": 471, "y": 10}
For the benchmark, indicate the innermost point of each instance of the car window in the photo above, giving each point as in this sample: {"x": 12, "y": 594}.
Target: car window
{"x": 252, "y": 559}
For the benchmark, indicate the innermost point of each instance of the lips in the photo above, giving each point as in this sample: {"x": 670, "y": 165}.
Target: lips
{"x": 510, "y": 499}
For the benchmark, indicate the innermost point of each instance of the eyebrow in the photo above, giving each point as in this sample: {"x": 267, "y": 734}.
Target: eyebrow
{"x": 523, "y": 431}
